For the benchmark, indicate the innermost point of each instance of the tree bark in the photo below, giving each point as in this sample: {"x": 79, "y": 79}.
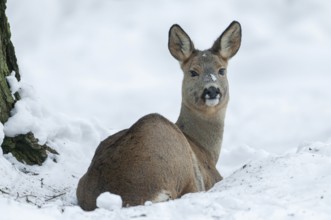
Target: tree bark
{"x": 8, "y": 63}
{"x": 24, "y": 147}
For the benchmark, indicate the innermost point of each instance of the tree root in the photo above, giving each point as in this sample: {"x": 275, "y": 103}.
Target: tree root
{"x": 25, "y": 148}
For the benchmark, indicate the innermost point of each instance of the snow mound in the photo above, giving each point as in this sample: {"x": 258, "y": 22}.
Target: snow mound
{"x": 109, "y": 201}
{"x": 291, "y": 186}
{"x": 55, "y": 181}
{"x": 316, "y": 148}
{"x": 243, "y": 154}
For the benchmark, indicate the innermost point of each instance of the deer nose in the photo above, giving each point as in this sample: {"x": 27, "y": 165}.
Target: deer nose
{"x": 211, "y": 93}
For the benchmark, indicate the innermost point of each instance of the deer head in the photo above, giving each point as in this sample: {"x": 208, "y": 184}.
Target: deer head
{"x": 205, "y": 85}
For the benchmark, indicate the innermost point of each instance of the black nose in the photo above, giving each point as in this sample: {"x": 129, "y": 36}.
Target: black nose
{"x": 211, "y": 93}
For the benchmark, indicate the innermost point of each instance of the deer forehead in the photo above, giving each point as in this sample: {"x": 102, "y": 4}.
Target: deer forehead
{"x": 206, "y": 62}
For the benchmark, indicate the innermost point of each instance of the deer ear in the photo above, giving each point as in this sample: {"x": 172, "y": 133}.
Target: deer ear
{"x": 227, "y": 45}
{"x": 180, "y": 44}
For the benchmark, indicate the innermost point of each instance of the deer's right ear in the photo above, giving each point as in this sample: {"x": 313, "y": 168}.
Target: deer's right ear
{"x": 180, "y": 45}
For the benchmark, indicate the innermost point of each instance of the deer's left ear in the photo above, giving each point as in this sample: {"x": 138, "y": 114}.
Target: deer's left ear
{"x": 228, "y": 44}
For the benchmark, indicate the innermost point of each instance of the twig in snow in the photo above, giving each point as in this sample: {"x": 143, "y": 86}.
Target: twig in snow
{"x": 29, "y": 201}
{"x": 4, "y": 192}
{"x": 27, "y": 196}
{"x": 54, "y": 197}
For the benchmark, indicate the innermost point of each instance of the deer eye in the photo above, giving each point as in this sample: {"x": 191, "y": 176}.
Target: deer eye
{"x": 193, "y": 73}
{"x": 222, "y": 71}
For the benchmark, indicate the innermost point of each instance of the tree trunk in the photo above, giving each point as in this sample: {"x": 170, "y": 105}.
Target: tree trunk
{"x": 24, "y": 147}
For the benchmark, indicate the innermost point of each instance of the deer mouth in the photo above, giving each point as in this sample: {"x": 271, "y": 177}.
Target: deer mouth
{"x": 211, "y": 102}
{"x": 211, "y": 96}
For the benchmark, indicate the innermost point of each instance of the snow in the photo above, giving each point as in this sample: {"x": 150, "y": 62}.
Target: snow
{"x": 213, "y": 77}
{"x": 88, "y": 71}
{"x": 109, "y": 201}
{"x": 13, "y": 83}
{"x": 292, "y": 186}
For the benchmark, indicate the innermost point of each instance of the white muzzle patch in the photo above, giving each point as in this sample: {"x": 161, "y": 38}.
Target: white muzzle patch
{"x": 212, "y": 102}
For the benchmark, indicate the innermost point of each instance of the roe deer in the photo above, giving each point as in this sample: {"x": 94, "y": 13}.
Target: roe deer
{"x": 157, "y": 160}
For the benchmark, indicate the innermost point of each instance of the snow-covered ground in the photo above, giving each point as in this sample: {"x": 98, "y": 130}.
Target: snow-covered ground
{"x": 92, "y": 67}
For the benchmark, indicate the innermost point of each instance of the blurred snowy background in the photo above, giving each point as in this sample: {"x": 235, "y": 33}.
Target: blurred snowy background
{"x": 107, "y": 62}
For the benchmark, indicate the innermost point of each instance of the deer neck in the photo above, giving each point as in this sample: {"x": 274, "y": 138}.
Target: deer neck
{"x": 205, "y": 132}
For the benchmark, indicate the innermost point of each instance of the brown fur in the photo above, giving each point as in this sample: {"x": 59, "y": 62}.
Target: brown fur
{"x": 155, "y": 159}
